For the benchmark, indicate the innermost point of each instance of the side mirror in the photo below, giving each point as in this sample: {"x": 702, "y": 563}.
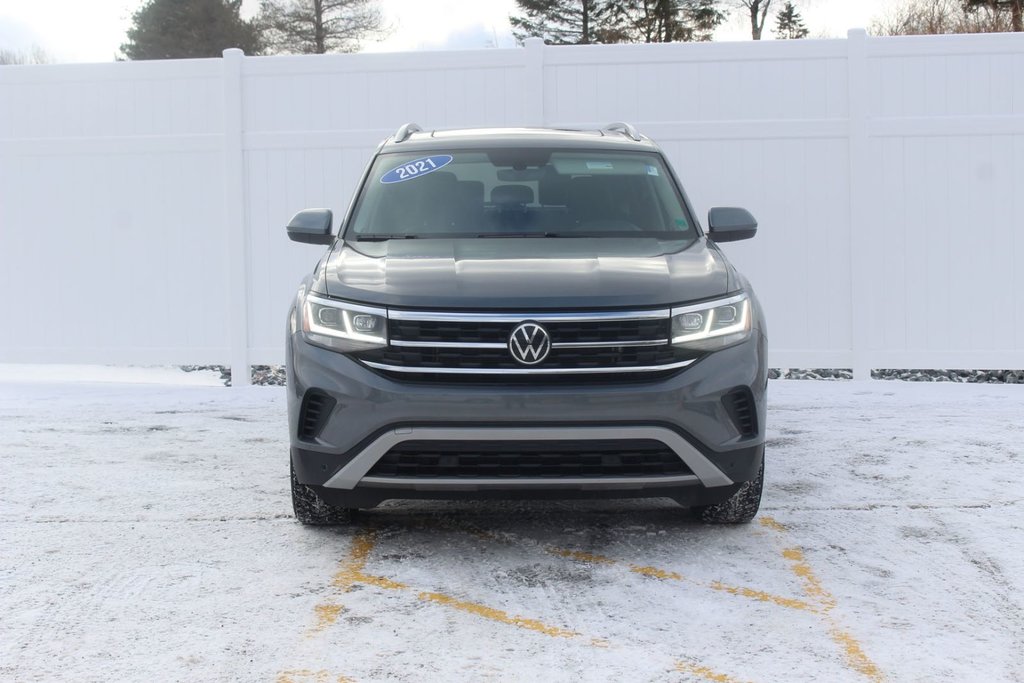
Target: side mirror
{"x": 728, "y": 224}
{"x": 312, "y": 226}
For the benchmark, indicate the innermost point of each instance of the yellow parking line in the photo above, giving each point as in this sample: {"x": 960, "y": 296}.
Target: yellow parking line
{"x": 497, "y": 615}
{"x": 326, "y": 614}
{"x": 466, "y": 606}
{"x": 352, "y": 571}
{"x": 762, "y": 596}
{"x": 856, "y": 658}
{"x": 351, "y": 567}
{"x": 704, "y": 672}
{"x": 771, "y": 524}
{"x": 309, "y": 676}
{"x": 655, "y": 572}
{"x": 355, "y": 561}
{"x": 812, "y": 586}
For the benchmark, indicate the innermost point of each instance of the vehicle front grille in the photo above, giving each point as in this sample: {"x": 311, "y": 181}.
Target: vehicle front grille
{"x": 498, "y": 332}
{"x": 529, "y": 459}
{"x": 457, "y": 346}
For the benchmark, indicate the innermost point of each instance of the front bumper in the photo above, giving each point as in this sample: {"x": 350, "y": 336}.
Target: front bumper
{"x": 371, "y": 413}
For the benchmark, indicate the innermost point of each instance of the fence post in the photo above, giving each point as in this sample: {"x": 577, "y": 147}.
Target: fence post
{"x": 534, "y": 87}
{"x": 860, "y": 168}
{"x": 234, "y": 219}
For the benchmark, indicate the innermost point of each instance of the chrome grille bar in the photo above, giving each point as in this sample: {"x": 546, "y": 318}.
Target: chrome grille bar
{"x": 424, "y": 370}
{"x": 581, "y": 317}
{"x": 499, "y": 345}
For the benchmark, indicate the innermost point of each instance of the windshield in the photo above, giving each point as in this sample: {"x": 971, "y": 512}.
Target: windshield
{"x": 519, "y": 193}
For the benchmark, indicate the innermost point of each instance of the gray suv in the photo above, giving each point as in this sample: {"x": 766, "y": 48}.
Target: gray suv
{"x": 524, "y": 313}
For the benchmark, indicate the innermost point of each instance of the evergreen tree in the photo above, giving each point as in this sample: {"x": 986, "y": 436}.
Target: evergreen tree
{"x": 562, "y": 22}
{"x": 650, "y": 21}
{"x": 789, "y": 25}
{"x": 178, "y": 29}
{"x": 565, "y": 22}
{"x": 319, "y": 26}
{"x": 703, "y": 17}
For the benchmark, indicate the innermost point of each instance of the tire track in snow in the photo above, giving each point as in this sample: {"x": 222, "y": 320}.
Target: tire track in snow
{"x": 1003, "y": 600}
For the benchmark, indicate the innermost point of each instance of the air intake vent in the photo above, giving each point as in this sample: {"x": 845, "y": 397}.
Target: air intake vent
{"x": 740, "y": 406}
{"x": 316, "y": 408}
{"x": 526, "y": 459}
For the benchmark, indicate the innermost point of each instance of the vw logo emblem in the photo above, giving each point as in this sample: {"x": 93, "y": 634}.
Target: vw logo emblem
{"x": 529, "y": 343}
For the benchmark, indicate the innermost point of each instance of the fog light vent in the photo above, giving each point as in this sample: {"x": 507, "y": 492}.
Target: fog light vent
{"x": 740, "y": 406}
{"x": 316, "y": 408}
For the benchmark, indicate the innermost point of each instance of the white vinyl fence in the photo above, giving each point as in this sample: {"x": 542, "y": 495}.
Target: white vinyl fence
{"x": 142, "y": 204}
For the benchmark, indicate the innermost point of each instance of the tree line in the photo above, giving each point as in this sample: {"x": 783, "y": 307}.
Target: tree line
{"x": 173, "y": 29}
{"x": 932, "y": 17}
{"x": 170, "y": 29}
{"x": 581, "y": 22}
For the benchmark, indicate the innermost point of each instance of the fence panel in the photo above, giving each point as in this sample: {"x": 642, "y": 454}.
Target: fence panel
{"x": 142, "y": 204}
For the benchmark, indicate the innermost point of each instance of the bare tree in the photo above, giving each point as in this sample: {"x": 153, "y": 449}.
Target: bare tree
{"x": 1014, "y": 7}
{"x": 319, "y": 26}
{"x": 758, "y": 11}
{"x": 936, "y": 17}
{"x": 36, "y": 55}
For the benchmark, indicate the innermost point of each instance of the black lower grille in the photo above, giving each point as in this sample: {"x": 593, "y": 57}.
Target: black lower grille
{"x": 529, "y": 459}
{"x": 740, "y": 406}
{"x": 316, "y": 408}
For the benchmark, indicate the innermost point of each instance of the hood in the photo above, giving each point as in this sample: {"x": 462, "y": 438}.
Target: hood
{"x": 525, "y": 273}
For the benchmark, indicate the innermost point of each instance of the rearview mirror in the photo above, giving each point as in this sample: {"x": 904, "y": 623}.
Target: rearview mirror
{"x": 728, "y": 224}
{"x": 312, "y": 226}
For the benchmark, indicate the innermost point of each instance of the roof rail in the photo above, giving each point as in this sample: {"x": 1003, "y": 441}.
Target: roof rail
{"x": 405, "y": 131}
{"x": 625, "y": 128}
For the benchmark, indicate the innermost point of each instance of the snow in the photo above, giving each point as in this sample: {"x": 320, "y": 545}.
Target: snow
{"x": 145, "y": 534}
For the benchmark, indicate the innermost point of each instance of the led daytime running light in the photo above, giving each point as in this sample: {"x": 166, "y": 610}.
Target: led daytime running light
{"x": 714, "y": 326}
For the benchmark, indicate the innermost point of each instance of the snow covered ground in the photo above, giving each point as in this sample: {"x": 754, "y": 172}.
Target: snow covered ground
{"x": 145, "y": 534}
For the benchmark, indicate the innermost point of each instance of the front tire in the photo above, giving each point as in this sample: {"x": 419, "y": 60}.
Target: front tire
{"x": 739, "y": 508}
{"x": 312, "y": 510}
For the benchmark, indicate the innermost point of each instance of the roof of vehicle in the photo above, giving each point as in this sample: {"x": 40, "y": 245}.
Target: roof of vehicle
{"x": 487, "y": 138}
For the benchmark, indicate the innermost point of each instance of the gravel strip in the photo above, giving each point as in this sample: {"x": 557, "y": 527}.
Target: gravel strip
{"x": 273, "y": 375}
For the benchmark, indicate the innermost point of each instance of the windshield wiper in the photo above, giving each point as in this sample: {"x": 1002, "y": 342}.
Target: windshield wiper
{"x": 381, "y": 237}
{"x": 597, "y": 233}
{"x": 489, "y": 235}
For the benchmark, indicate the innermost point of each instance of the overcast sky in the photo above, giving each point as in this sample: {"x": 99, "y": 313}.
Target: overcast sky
{"x": 93, "y": 30}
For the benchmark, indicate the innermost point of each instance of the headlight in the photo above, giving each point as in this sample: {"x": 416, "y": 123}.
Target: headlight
{"x": 712, "y": 325}
{"x": 342, "y": 326}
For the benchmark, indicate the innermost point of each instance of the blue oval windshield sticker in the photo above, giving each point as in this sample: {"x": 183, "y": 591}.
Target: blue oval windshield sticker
{"x": 416, "y": 168}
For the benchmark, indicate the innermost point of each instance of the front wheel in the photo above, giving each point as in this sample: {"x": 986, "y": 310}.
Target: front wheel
{"x": 312, "y": 510}
{"x": 739, "y": 508}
